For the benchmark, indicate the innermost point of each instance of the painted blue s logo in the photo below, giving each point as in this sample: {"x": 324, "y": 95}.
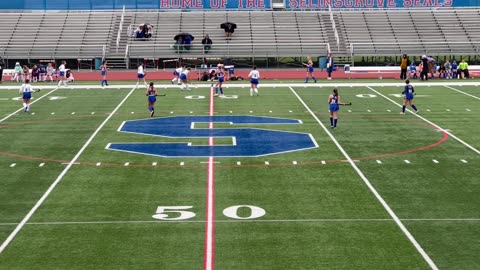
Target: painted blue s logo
{"x": 248, "y": 142}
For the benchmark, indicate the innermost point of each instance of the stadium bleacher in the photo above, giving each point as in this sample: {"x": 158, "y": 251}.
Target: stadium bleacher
{"x": 259, "y": 34}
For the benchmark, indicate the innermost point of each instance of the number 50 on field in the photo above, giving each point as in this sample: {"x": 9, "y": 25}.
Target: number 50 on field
{"x": 180, "y": 212}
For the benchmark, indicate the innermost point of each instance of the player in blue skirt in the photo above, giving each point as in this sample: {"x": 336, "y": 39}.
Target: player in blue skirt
{"x": 334, "y": 102}
{"x": 104, "y": 69}
{"x": 176, "y": 74}
{"x": 152, "y": 98}
{"x": 309, "y": 66}
{"x": 26, "y": 90}
{"x": 408, "y": 93}
{"x": 62, "y": 72}
{"x": 141, "y": 75}
{"x": 221, "y": 79}
{"x": 254, "y": 76}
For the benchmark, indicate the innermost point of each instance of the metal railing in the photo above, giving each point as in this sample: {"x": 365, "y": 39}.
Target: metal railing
{"x": 120, "y": 28}
{"x": 413, "y": 48}
{"x": 227, "y": 50}
{"x": 334, "y": 26}
{"x": 54, "y": 51}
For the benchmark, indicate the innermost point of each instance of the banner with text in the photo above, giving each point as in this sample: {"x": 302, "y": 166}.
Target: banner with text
{"x": 134, "y": 4}
{"x": 384, "y": 4}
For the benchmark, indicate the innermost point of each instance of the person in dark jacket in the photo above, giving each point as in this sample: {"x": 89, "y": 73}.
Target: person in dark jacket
{"x": 424, "y": 74}
{"x": 207, "y": 43}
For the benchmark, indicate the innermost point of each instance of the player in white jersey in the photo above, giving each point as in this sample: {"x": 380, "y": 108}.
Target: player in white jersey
{"x": 176, "y": 74}
{"x": 61, "y": 74}
{"x": 254, "y": 76}
{"x": 141, "y": 75}
{"x": 26, "y": 90}
{"x": 184, "y": 79}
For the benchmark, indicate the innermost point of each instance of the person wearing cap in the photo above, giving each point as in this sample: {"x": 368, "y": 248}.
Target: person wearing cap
{"x": 17, "y": 72}
{"x": 463, "y": 69}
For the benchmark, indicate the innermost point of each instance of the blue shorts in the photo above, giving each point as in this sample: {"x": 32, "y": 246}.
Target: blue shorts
{"x": 175, "y": 73}
{"x": 104, "y": 72}
{"x": 409, "y": 96}
{"x": 27, "y": 95}
{"x": 140, "y": 76}
{"x": 221, "y": 79}
{"x": 62, "y": 74}
{"x": 334, "y": 107}
{"x": 152, "y": 99}
{"x": 254, "y": 81}
{"x": 183, "y": 76}
{"x": 310, "y": 69}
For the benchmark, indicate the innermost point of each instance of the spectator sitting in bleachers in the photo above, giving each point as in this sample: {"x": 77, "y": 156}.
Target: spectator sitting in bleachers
{"x": 139, "y": 33}
{"x": 149, "y": 32}
{"x": 187, "y": 42}
{"x": 207, "y": 43}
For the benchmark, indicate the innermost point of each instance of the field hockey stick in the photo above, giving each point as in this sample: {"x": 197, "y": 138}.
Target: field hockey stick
{"x": 346, "y": 104}
{"x": 161, "y": 95}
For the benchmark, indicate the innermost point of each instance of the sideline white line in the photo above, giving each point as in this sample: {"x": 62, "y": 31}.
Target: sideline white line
{"x": 371, "y": 187}
{"x": 34, "y": 101}
{"x": 454, "y": 89}
{"x": 60, "y": 177}
{"x": 428, "y": 121}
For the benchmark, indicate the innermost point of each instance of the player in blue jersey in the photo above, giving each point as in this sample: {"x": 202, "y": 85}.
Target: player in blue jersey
{"x": 104, "y": 69}
{"x": 254, "y": 76}
{"x": 408, "y": 93}
{"x": 221, "y": 78}
{"x": 309, "y": 66}
{"x": 334, "y": 107}
{"x": 330, "y": 66}
{"x": 26, "y": 90}
{"x": 152, "y": 98}
{"x": 176, "y": 74}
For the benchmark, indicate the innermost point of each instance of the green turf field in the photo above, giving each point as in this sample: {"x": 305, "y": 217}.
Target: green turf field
{"x": 382, "y": 191}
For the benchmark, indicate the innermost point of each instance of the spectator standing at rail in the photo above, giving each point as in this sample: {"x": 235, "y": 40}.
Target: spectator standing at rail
{"x": 454, "y": 69}
{"x": 330, "y": 66}
{"x": 42, "y": 71}
{"x": 17, "y": 72}
{"x": 207, "y": 43}
{"x": 35, "y": 74}
{"x": 448, "y": 70}
{"x": 309, "y": 66}
{"x": 26, "y": 73}
{"x": 463, "y": 69}
{"x": 403, "y": 67}
{"x": 424, "y": 73}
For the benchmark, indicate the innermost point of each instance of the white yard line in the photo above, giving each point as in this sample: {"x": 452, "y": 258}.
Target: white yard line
{"x": 371, "y": 187}
{"x": 430, "y": 122}
{"x": 60, "y": 177}
{"x": 319, "y": 220}
{"x": 33, "y": 102}
{"x": 454, "y": 89}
